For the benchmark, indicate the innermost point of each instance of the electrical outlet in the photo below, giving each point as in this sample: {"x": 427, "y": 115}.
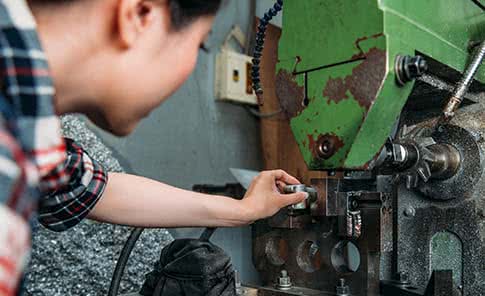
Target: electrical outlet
{"x": 233, "y": 78}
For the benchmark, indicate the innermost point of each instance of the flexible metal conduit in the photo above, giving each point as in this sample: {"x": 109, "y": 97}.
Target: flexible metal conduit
{"x": 462, "y": 87}
{"x": 258, "y": 49}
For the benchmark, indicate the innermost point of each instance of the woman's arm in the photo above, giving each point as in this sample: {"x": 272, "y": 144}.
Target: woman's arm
{"x": 137, "y": 201}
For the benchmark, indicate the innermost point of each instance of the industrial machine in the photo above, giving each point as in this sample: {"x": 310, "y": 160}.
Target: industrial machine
{"x": 386, "y": 97}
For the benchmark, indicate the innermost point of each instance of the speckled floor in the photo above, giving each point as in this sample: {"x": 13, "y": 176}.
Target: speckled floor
{"x": 81, "y": 261}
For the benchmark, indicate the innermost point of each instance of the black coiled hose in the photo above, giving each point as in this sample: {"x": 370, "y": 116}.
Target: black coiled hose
{"x": 258, "y": 49}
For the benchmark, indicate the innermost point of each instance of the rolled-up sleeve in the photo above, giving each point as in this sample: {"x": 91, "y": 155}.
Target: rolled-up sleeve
{"x": 72, "y": 190}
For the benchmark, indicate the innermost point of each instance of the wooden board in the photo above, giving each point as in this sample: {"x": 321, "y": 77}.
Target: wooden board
{"x": 279, "y": 147}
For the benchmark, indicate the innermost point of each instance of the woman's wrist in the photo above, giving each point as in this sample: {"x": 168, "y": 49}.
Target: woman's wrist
{"x": 229, "y": 212}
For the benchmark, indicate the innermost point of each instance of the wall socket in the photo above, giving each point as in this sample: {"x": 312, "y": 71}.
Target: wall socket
{"x": 233, "y": 78}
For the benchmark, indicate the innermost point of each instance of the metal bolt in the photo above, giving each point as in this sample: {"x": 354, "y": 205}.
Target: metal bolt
{"x": 342, "y": 289}
{"x": 402, "y": 277}
{"x": 238, "y": 283}
{"x": 355, "y": 204}
{"x": 416, "y": 66}
{"x": 327, "y": 146}
{"x": 409, "y": 68}
{"x": 409, "y": 212}
{"x": 284, "y": 281}
{"x": 325, "y": 149}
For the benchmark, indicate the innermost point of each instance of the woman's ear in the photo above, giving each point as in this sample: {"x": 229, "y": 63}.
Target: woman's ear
{"x": 135, "y": 17}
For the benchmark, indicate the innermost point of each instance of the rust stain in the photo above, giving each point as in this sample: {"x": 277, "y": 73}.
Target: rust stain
{"x": 311, "y": 142}
{"x": 359, "y": 40}
{"x": 317, "y": 260}
{"x": 363, "y": 83}
{"x": 336, "y": 90}
{"x": 283, "y": 249}
{"x": 289, "y": 93}
{"x": 377, "y": 35}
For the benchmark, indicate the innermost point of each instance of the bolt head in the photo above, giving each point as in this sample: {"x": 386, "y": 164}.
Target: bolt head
{"x": 402, "y": 277}
{"x": 409, "y": 68}
{"x": 409, "y": 212}
{"x": 342, "y": 289}
{"x": 284, "y": 281}
{"x": 355, "y": 204}
{"x": 415, "y": 67}
{"x": 325, "y": 149}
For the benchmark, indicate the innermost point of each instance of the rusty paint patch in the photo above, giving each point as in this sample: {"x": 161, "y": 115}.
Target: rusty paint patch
{"x": 283, "y": 249}
{"x": 326, "y": 146}
{"x": 336, "y": 90}
{"x": 311, "y": 143}
{"x": 289, "y": 93}
{"x": 363, "y": 83}
{"x": 359, "y": 40}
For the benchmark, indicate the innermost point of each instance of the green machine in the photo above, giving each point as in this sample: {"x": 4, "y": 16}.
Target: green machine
{"x": 387, "y": 96}
{"x": 341, "y": 60}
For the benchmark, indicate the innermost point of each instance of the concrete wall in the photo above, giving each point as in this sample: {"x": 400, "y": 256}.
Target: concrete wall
{"x": 192, "y": 139}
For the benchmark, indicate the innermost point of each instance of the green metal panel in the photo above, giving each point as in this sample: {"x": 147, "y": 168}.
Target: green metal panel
{"x": 355, "y": 103}
{"x": 440, "y": 28}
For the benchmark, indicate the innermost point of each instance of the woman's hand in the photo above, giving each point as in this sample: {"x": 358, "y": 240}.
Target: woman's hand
{"x": 264, "y": 199}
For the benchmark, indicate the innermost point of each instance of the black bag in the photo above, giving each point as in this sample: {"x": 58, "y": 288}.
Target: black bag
{"x": 191, "y": 267}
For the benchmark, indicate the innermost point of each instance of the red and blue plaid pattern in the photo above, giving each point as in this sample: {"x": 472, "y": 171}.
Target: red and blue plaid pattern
{"x": 60, "y": 170}
{"x": 69, "y": 204}
{"x": 39, "y": 170}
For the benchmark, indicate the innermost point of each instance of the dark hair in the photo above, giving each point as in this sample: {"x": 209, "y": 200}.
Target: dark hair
{"x": 183, "y": 12}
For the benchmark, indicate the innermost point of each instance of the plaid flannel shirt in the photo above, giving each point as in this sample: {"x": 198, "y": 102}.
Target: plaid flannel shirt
{"x": 39, "y": 170}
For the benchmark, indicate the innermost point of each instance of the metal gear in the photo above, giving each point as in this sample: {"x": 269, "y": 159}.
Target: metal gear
{"x": 418, "y": 166}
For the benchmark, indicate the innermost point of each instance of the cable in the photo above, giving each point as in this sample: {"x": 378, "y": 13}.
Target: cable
{"x": 207, "y": 234}
{"x": 258, "y": 49}
{"x": 130, "y": 243}
{"x": 477, "y": 3}
{"x": 258, "y": 114}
